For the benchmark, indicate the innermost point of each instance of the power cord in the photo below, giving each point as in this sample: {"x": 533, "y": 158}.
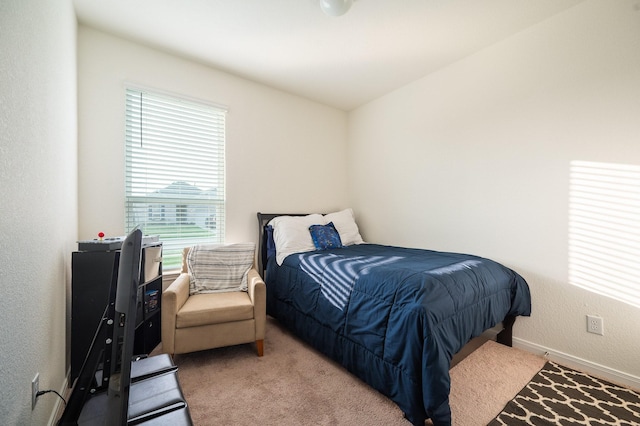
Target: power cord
{"x": 51, "y": 390}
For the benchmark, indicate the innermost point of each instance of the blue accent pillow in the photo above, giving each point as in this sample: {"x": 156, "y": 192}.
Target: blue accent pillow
{"x": 271, "y": 244}
{"x": 325, "y": 236}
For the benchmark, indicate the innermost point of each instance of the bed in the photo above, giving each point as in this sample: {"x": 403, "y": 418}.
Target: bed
{"x": 392, "y": 316}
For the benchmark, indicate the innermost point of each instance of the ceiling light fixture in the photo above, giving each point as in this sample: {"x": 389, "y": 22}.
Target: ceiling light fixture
{"x": 335, "y": 7}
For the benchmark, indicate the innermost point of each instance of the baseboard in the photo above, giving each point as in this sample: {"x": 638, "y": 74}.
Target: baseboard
{"x": 598, "y": 370}
{"x": 58, "y": 409}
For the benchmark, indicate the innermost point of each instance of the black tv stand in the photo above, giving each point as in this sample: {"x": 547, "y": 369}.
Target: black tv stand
{"x": 94, "y": 274}
{"x": 113, "y": 386}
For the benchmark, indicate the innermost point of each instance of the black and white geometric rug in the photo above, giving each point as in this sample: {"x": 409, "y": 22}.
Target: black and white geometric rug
{"x": 558, "y": 395}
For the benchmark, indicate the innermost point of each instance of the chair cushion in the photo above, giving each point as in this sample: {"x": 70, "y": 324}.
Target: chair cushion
{"x": 214, "y": 308}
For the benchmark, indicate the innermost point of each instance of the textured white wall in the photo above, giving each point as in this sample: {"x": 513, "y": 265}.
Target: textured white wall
{"x": 277, "y": 144}
{"x": 475, "y": 158}
{"x": 38, "y": 217}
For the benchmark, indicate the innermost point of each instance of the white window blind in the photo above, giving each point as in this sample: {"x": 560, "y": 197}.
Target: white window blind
{"x": 175, "y": 170}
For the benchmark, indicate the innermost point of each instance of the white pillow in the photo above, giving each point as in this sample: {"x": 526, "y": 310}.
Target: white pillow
{"x": 346, "y": 226}
{"x": 291, "y": 234}
{"x": 217, "y": 268}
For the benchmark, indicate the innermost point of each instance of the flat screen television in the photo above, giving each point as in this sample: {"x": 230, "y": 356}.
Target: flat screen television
{"x": 86, "y": 406}
{"x": 124, "y": 328}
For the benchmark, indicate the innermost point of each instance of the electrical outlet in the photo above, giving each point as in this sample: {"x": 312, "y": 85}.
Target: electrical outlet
{"x": 595, "y": 325}
{"x": 35, "y": 387}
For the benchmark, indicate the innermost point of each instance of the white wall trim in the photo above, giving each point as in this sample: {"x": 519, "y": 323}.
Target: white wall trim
{"x": 59, "y": 406}
{"x": 598, "y": 370}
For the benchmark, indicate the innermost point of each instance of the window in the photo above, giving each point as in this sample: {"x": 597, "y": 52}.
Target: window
{"x": 175, "y": 177}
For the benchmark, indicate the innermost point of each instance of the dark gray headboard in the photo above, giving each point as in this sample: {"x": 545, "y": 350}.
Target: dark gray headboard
{"x": 263, "y": 219}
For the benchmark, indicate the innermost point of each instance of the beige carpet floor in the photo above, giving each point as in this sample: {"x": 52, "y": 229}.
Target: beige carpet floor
{"x": 292, "y": 384}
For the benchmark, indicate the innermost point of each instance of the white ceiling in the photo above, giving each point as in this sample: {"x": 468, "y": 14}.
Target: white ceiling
{"x": 378, "y": 46}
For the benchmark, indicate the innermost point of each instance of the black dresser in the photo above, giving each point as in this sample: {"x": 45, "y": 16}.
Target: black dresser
{"x": 93, "y": 285}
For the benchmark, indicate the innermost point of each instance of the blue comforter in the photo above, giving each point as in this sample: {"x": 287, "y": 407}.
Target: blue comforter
{"x": 394, "y": 316}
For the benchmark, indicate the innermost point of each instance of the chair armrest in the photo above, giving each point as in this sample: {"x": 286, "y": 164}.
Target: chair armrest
{"x": 258, "y": 295}
{"x": 172, "y": 300}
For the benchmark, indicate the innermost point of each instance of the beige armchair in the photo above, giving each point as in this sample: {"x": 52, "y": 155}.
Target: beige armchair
{"x": 207, "y": 321}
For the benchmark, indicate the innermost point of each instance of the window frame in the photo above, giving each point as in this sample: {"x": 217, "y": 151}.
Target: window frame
{"x": 175, "y": 169}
